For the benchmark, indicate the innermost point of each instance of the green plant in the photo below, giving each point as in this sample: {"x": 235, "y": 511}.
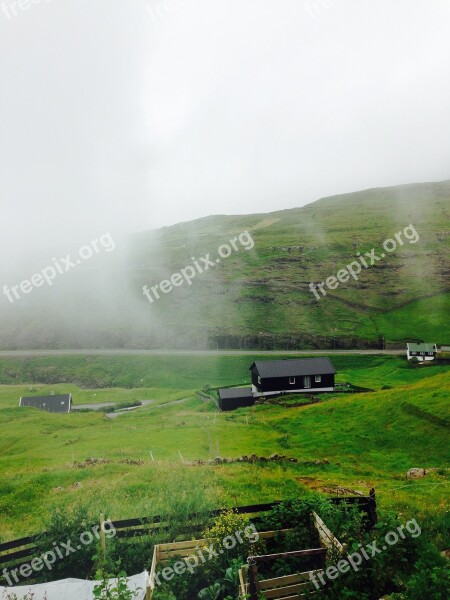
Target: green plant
{"x": 284, "y": 441}
{"x": 230, "y": 525}
{"x": 213, "y": 592}
{"x": 67, "y": 526}
{"x": 231, "y": 578}
{"x": 115, "y": 588}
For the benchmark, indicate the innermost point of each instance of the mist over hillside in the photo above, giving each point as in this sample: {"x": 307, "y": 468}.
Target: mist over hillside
{"x": 260, "y": 295}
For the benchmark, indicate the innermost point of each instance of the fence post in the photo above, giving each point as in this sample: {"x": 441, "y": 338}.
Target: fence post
{"x": 373, "y": 507}
{"x": 102, "y": 533}
{"x": 253, "y": 578}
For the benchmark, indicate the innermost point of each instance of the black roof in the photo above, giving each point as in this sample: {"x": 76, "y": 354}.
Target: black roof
{"x": 59, "y": 403}
{"x": 294, "y": 367}
{"x": 227, "y": 393}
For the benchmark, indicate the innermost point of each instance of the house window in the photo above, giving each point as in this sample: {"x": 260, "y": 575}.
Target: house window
{"x": 291, "y": 380}
{"x": 307, "y": 381}
{"x": 318, "y": 378}
{"x": 259, "y": 379}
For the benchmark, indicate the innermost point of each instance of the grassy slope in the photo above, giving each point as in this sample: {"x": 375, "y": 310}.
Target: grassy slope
{"x": 263, "y": 292}
{"x": 266, "y": 290}
{"x": 369, "y": 439}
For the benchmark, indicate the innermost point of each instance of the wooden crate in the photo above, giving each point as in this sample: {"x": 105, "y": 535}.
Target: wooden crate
{"x": 162, "y": 553}
{"x": 293, "y": 586}
{"x": 285, "y": 588}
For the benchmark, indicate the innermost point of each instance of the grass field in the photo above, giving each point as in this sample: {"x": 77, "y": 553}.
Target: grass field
{"x": 369, "y": 439}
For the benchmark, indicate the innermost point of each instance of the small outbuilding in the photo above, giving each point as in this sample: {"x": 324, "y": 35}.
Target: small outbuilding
{"x": 59, "y": 403}
{"x": 424, "y": 352}
{"x": 232, "y": 398}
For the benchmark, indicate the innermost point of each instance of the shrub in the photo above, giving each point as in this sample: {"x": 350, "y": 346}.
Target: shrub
{"x": 66, "y": 526}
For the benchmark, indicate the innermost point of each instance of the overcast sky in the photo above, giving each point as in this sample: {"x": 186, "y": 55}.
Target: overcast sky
{"x": 125, "y": 115}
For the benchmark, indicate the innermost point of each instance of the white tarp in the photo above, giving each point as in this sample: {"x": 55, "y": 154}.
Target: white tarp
{"x": 70, "y": 589}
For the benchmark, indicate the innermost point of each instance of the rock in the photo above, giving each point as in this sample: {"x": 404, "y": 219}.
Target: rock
{"x": 274, "y": 457}
{"x": 416, "y": 473}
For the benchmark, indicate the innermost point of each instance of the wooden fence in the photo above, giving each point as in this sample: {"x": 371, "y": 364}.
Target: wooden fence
{"x": 25, "y": 548}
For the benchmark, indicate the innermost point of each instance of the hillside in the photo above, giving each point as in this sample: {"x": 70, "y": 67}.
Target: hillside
{"x": 368, "y": 439}
{"x": 259, "y": 298}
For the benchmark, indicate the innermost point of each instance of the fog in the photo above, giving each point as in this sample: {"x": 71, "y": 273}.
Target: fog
{"x": 122, "y": 116}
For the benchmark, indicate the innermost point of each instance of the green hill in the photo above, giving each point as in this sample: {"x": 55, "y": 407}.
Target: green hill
{"x": 260, "y": 298}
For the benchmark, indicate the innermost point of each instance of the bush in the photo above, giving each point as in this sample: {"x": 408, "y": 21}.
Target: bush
{"x": 67, "y": 526}
{"x": 430, "y": 578}
{"x": 228, "y": 525}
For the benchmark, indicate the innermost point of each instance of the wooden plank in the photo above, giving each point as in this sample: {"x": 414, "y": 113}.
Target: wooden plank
{"x": 287, "y": 579}
{"x": 326, "y": 537}
{"x": 181, "y": 545}
{"x": 265, "y": 535}
{"x": 295, "y": 597}
{"x": 18, "y": 543}
{"x": 288, "y": 590}
{"x": 151, "y": 580}
{"x": 242, "y": 579}
{"x": 295, "y": 554}
{"x": 16, "y": 555}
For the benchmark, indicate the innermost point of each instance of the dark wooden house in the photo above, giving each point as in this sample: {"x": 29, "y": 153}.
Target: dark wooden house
{"x": 271, "y": 377}
{"x": 59, "y": 403}
{"x": 232, "y": 398}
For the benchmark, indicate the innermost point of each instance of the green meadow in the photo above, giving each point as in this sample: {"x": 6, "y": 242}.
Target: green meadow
{"x": 358, "y": 440}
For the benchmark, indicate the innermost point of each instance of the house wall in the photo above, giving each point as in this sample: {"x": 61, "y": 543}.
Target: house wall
{"x": 421, "y": 356}
{"x": 233, "y": 403}
{"x": 282, "y": 383}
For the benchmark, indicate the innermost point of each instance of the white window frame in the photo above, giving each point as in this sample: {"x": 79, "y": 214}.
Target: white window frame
{"x": 291, "y": 380}
{"x": 259, "y": 379}
{"x": 307, "y": 378}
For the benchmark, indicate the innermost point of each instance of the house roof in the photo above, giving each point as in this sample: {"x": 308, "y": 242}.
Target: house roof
{"x": 294, "y": 367}
{"x": 228, "y": 393}
{"x": 421, "y": 347}
{"x": 59, "y": 403}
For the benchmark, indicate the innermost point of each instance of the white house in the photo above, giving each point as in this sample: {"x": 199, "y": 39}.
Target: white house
{"x": 422, "y": 351}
